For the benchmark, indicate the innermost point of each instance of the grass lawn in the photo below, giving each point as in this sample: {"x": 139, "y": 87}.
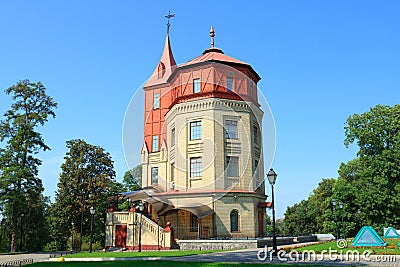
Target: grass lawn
{"x": 390, "y": 249}
{"x": 135, "y": 254}
{"x": 156, "y": 263}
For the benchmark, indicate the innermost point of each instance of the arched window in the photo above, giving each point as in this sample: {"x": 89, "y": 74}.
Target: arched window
{"x": 161, "y": 70}
{"x": 234, "y": 221}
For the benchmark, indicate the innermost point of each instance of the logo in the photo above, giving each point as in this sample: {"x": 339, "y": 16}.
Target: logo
{"x": 341, "y": 243}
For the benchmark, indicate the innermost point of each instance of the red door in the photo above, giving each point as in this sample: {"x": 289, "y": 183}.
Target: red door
{"x": 260, "y": 224}
{"x": 120, "y": 236}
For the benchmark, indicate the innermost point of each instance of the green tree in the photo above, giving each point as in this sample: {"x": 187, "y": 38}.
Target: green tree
{"x": 87, "y": 179}
{"x": 376, "y": 170}
{"x": 309, "y": 216}
{"x": 19, "y": 181}
{"x": 133, "y": 178}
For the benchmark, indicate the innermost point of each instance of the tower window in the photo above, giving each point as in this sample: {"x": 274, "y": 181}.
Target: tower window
{"x": 195, "y": 130}
{"x": 234, "y": 221}
{"x": 173, "y": 136}
{"x": 156, "y": 101}
{"x": 154, "y": 175}
{"x": 196, "y": 86}
{"x": 231, "y": 129}
{"x": 255, "y": 133}
{"x": 232, "y": 169}
{"x": 196, "y": 167}
{"x": 154, "y": 146}
{"x": 229, "y": 84}
{"x": 161, "y": 70}
{"x": 172, "y": 172}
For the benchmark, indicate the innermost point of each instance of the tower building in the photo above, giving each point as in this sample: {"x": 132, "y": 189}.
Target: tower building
{"x": 202, "y": 155}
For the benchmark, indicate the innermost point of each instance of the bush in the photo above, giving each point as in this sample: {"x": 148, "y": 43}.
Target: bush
{"x": 50, "y": 247}
{"x": 95, "y": 246}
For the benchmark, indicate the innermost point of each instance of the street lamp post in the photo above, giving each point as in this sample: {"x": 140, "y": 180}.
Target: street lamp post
{"x": 72, "y": 236}
{"x": 358, "y": 216}
{"x": 272, "y": 179}
{"x": 83, "y": 206}
{"x": 334, "y": 213}
{"x": 140, "y": 207}
{"x": 341, "y": 213}
{"x": 158, "y": 233}
{"x": 92, "y": 211}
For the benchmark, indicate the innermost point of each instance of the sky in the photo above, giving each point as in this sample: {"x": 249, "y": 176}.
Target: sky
{"x": 320, "y": 62}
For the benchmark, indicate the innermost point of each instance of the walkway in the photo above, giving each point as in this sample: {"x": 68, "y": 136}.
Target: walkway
{"x": 35, "y": 256}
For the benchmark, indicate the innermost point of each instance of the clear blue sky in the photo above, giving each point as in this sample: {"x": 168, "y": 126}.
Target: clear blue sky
{"x": 320, "y": 61}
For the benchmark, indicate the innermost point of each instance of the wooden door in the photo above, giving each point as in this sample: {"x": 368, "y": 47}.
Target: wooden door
{"x": 260, "y": 224}
{"x": 120, "y": 236}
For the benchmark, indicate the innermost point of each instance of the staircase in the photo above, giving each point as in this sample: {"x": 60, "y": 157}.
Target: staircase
{"x": 152, "y": 235}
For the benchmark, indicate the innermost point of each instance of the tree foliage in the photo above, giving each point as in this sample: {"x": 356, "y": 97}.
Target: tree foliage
{"x": 133, "y": 178}
{"x": 87, "y": 179}
{"x": 368, "y": 186}
{"x": 20, "y": 187}
{"x": 376, "y": 170}
{"x": 309, "y": 216}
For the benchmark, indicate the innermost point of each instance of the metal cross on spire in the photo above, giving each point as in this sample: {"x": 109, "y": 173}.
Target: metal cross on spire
{"x": 168, "y": 17}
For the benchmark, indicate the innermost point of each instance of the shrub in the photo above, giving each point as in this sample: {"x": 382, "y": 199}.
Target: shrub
{"x": 50, "y": 247}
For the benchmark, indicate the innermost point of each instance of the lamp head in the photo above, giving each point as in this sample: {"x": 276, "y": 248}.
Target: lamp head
{"x": 140, "y": 207}
{"x": 341, "y": 205}
{"x": 92, "y": 210}
{"x": 334, "y": 202}
{"x": 272, "y": 176}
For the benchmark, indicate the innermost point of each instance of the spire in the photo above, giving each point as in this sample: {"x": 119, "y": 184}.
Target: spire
{"x": 165, "y": 67}
{"x": 212, "y": 34}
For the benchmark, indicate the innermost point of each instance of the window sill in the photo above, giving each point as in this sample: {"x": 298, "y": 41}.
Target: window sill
{"x": 233, "y": 177}
{"x": 195, "y": 178}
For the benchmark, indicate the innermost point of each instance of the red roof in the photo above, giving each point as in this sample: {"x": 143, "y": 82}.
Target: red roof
{"x": 213, "y": 54}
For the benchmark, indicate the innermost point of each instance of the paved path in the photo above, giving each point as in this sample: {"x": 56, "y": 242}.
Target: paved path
{"x": 35, "y": 256}
{"x": 238, "y": 256}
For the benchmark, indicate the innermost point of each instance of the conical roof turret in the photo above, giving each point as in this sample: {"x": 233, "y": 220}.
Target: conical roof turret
{"x": 165, "y": 66}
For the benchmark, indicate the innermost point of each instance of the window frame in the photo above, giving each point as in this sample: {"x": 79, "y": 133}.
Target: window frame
{"x": 229, "y": 167}
{"x": 154, "y": 139}
{"x": 156, "y": 101}
{"x": 255, "y": 134}
{"x": 196, "y": 86}
{"x": 234, "y": 214}
{"x": 153, "y": 171}
{"x": 196, "y": 167}
{"x": 227, "y": 132}
{"x": 229, "y": 88}
{"x": 172, "y": 172}
{"x": 173, "y": 140}
{"x": 194, "y": 223}
{"x": 194, "y": 133}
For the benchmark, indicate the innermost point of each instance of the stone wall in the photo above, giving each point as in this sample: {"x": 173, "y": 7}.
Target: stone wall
{"x": 240, "y": 244}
